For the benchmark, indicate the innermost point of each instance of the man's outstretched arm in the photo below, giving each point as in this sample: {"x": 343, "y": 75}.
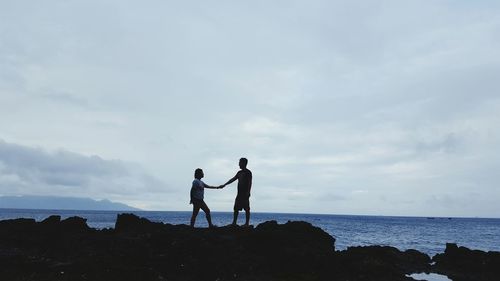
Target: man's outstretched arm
{"x": 212, "y": 187}
{"x": 231, "y": 180}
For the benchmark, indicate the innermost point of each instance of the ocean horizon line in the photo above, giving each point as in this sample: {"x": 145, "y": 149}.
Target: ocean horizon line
{"x": 257, "y": 212}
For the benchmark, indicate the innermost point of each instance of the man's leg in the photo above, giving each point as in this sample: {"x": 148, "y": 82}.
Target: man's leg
{"x": 247, "y": 216}
{"x": 246, "y": 207}
{"x": 235, "y": 216}
{"x": 236, "y": 209}
{"x": 196, "y": 209}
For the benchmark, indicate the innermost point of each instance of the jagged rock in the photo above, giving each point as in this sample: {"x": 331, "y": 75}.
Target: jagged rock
{"x": 51, "y": 221}
{"x": 133, "y": 223}
{"x": 17, "y": 225}
{"x": 138, "y": 249}
{"x": 74, "y": 224}
{"x": 461, "y": 264}
{"x": 382, "y": 262}
{"x": 295, "y": 233}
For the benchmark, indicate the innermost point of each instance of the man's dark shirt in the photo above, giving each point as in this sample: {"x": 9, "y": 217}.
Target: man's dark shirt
{"x": 244, "y": 183}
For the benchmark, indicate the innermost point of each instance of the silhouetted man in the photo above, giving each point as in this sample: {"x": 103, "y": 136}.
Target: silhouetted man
{"x": 242, "y": 201}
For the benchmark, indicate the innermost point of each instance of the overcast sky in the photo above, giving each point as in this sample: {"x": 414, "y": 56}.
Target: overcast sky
{"x": 341, "y": 107}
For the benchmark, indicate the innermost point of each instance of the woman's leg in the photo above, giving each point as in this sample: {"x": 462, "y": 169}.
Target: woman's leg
{"x": 205, "y": 209}
{"x": 196, "y": 209}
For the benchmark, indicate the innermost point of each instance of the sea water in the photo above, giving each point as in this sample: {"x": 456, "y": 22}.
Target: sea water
{"x": 429, "y": 277}
{"x": 428, "y": 235}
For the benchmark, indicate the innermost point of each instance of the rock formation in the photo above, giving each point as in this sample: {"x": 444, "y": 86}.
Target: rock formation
{"x": 137, "y": 249}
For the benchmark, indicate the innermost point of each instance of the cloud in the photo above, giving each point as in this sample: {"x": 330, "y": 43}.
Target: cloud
{"x": 324, "y": 98}
{"x": 34, "y": 171}
{"x": 447, "y": 144}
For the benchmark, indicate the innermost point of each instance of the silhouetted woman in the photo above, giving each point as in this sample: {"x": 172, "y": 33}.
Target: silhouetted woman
{"x": 197, "y": 191}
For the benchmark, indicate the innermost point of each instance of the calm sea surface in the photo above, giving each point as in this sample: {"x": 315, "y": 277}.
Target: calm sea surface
{"x": 428, "y": 235}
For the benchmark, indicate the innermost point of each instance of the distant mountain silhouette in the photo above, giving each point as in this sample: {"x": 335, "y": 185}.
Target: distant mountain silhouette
{"x": 61, "y": 203}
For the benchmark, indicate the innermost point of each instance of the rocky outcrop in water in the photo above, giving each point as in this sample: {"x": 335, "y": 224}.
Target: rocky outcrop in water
{"x": 137, "y": 249}
{"x": 462, "y": 264}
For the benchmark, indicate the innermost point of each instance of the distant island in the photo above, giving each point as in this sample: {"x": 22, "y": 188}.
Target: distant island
{"x": 61, "y": 203}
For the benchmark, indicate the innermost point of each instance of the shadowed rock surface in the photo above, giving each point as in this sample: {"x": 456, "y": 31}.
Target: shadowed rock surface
{"x": 138, "y": 249}
{"x": 462, "y": 264}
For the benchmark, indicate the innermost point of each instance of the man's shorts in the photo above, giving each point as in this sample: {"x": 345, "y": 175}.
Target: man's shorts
{"x": 242, "y": 203}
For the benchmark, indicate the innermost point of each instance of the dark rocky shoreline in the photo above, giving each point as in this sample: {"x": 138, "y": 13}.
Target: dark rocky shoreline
{"x": 137, "y": 249}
